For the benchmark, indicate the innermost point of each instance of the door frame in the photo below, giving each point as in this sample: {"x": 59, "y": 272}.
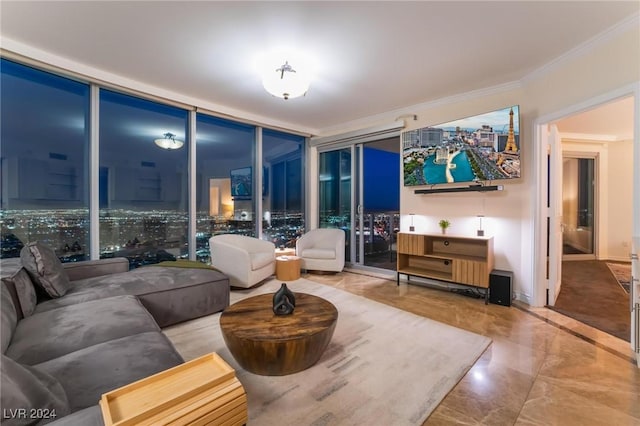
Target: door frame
{"x": 554, "y": 214}
{"x": 541, "y": 148}
{"x": 356, "y": 147}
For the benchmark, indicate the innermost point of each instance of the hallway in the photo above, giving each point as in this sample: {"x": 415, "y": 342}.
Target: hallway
{"x": 591, "y": 295}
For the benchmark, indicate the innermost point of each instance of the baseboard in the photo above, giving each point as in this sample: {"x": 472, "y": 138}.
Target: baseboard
{"x": 618, "y": 259}
{"x": 524, "y": 298}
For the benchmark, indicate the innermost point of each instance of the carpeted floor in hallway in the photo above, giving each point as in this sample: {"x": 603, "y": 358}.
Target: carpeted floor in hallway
{"x": 591, "y": 294}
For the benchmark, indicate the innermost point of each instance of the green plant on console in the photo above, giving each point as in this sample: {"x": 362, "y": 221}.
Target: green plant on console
{"x": 444, "y": 224}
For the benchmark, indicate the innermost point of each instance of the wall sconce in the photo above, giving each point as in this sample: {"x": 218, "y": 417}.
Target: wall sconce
{"x": 411, "y": 227}
{"x": 480, "y": 232}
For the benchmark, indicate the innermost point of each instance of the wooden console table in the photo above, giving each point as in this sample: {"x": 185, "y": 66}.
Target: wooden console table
{"x": 461, "y": 260}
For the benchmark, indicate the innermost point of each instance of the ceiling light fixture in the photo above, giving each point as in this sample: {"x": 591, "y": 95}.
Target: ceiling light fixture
{"x": 286, "y": 82}
{"x": 169, "y": 142}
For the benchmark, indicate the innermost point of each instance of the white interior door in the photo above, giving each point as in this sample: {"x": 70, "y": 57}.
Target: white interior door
{"x": 634, "y": 299}
{"x": 555, "y": 215}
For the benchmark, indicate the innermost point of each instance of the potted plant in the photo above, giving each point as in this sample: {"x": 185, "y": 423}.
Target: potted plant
{"x": 444, "y": 224}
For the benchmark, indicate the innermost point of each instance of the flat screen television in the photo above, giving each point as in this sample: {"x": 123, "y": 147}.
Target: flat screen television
{"x": 483, "y": 147}
{"x": 241, "y": 183}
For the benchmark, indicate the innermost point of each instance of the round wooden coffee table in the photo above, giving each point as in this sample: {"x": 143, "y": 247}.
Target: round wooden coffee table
{"x": 275, "y": 345}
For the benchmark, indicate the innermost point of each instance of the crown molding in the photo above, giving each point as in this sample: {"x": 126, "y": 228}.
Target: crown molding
{"x": 594, "y": 137}
{"x": 627, "y": 24}
{"x": 410, "y": 111}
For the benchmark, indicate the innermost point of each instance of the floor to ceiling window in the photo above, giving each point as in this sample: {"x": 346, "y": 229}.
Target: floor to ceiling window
{"x": 143, "y": 174}
{"x": 143, "y": 184}
{"x": 224, "y": 180}
{"x": 44, "y": 172}
{"x": 283, "y": 187}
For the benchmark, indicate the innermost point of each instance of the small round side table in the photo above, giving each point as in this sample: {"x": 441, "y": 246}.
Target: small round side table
{"x": 288, "y": 268}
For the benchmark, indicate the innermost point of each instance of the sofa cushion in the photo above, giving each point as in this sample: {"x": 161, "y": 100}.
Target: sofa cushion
{"x": 88, "y": 373}
{"x": 25, "y": 292}
{"x": 47, "y": 335}
{"x": 9, "y": 266}
{"x": 8, "y": 317}
{"x": 45, "y": 268}
{"x": 316, "y": 253}
{"x": 171, "y": 295}
{"x": 28, "y": 388}
{"x": 261, "y": 259}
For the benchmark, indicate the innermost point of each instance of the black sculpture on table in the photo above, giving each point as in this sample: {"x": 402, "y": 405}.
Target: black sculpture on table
{"x": 284, "y": 301}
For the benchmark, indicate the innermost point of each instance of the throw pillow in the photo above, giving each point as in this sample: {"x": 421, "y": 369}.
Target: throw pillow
{"x": 25, "y": 292}
{"x": 45, "y": 268}
{"x": 30, "y": 396}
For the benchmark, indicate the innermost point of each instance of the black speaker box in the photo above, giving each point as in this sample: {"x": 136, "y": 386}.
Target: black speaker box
{"x": 500, "y": 283}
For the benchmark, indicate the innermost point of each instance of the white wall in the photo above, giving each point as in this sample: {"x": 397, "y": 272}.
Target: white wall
{"x": 608, "y": 64}
{"x": 620, "y": 208}
{"x": 505, "y": 211}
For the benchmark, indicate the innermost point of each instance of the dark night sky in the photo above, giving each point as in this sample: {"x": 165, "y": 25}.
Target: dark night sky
{"x": 381, "y": 180}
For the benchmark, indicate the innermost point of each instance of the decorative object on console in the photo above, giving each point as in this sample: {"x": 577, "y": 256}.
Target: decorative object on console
{"x": 444, "y": 224}
{"x": 411, "y": 227}
{"x": 284, "y": 301}
{"x": 480, "y": 231}
{"x": 169, "y": 141}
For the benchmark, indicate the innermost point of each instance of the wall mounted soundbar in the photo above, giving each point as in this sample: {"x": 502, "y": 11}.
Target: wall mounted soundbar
{"x": 473, "y": 188}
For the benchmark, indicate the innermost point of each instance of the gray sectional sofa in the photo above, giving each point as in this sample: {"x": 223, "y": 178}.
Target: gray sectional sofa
{"x": 71, "y": 332}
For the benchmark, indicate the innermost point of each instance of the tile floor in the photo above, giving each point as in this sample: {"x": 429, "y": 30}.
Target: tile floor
{"x": 541, "y": 369}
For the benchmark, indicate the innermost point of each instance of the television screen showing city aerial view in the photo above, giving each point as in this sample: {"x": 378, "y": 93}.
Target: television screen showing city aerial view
{"x": 483, "y": 147}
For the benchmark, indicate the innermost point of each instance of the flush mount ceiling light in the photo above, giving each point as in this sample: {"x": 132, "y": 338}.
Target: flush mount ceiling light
{"x": 286, "y": 82}
{"x": 169, "y": 142}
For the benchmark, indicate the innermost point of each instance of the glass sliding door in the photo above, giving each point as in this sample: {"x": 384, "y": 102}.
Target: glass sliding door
{"x": 359, "y": 190}
{"x": 379, "y": 186}
{"x": 578, "y": 207}
{"x": 335, "y": 192}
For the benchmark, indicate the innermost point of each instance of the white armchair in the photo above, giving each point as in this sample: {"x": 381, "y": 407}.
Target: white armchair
{"x": 322, "y": 249}
{"x": 245, "y": 260}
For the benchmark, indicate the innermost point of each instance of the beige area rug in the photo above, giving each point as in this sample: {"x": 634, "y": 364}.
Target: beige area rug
{"x": 622, "y": 272}
{"x": 384, "y": 366}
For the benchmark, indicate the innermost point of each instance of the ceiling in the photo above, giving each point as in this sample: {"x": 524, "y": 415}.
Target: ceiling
{"x": 373, "y": 58}
{"x": 612, "y": 121}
